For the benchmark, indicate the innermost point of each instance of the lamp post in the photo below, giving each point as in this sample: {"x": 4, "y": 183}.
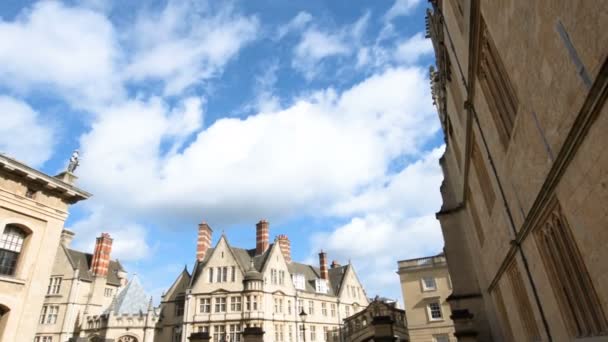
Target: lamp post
{"x": 303, "y": 317}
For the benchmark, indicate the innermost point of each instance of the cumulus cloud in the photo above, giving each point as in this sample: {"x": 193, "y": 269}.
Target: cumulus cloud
{"x": 19, "y": 120}
{"x": 68, "y": 50}
{"x": 401, "y": 8}
{"x": 390, "y": 222}
{"x": 414, "y": 47}
{"x": 374, "y": 243}
{"x": 84, "y": 60}
{"x": 271, "y": 164}
{"x": 184, "y": 44}
{"x": 130, "y": 239}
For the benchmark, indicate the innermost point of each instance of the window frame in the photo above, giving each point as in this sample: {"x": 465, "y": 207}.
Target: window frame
{"x": 430, "y": 311}
{"x": 425, "y": 287}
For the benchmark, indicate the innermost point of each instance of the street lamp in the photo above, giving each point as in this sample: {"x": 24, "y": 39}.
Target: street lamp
{"x": 303, "y": 317}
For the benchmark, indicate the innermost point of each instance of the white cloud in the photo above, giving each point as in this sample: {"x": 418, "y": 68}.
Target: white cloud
{"x": 317, "y": 45}
{"x": 272, "y": 164}
{"x": 314, "y": 47}
{"x": 391, "y": 220}
{"x": 22, "y": 133}
{"x": 129, "y": 238}
{"x": 401, "y": 8}
{"x": 77, "y": 52}
{"x": 374, "y": 243}
{"x": 184, "y": 44}
{"x": 411, "y": 49}
{"x": 412, "y": 191}
{"x": 296, "y": 24}
{"x": 68, "y": 50}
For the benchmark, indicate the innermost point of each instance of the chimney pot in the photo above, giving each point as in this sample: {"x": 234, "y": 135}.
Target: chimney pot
{"x": 261, "y": 237}
{"x": 335, "y": 264}
{"x": 101, "y": 255}
{"x": 204, "y": 240}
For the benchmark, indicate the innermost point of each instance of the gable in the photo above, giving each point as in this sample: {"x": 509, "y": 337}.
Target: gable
{"x": 224, "y": 266}
{"x": 276, "y": 269}
{"x": 351, "y": 290}
{"x": 180, "y": 285}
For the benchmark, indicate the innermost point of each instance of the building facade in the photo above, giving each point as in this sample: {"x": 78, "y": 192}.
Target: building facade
{"x": 88, "y": 298}
{"x": 425, "y": 286}
{"x": 33, "y": 209}
{"x": 232, "y": 288}
{"x": 520, "y": 87}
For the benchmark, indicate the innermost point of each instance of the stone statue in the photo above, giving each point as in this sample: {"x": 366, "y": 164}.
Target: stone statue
{"x": 74, "y": 161}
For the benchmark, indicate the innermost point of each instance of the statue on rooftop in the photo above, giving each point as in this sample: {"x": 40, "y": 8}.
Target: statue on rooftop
{"x": 74, "y": 161}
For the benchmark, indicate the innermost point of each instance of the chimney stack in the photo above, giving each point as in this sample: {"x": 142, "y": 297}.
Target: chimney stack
{"x": 285, "y": 246}
{"x": 66, "y": 237}
{"x": 323, "y": 265}
{"x": 204, "y": 240}
{"x": 335, "y": 264}
{"x": 101, "y": 256}
{"x": 261, "y": 237}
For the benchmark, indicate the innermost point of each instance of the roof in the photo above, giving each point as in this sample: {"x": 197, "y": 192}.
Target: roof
{"x": 131, "y": 300}
{"x": 244, "y": 257}
{"x": 82, "y": 261}
{"x": 51, "y": 184}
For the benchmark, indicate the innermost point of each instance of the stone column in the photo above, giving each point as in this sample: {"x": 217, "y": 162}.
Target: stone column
{"x": 253, "y": 335}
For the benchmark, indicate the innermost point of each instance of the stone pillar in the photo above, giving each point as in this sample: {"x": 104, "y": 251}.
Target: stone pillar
{"x": 253, "y": 335}
{"x": 383, "y": 329}
{"x": 199, "y": 337}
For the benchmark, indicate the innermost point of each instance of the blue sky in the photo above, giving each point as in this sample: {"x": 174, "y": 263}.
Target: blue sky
{"x": 314, "y": 115}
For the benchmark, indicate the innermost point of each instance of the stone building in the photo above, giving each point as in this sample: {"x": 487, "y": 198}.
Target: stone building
{"x": 131, "y": 317}
{"x": 232, "y": 288}
{"x": 33, "y": 209}
{"x": 380, "y": 321}
{"x": 520, "y": 88}
{"x": 88, "y": 298}
{"x": 425, "y": 286}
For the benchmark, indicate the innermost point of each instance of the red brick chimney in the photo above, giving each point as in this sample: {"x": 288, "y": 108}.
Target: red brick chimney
{"x": 335, "y": 264}
{"x": 101, "y": 256}
{"x": 323, "y": 265}
{"x": 204, "y": 240}
{"x": 261, "y": 237}
{"x": 285, "y": 246}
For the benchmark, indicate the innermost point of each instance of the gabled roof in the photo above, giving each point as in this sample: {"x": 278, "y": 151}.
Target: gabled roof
{"x": 336, "y": 278}
{"x": 131, "y": 300}
{"x": 82, "y": 261}
{"x": 244, "y": 257}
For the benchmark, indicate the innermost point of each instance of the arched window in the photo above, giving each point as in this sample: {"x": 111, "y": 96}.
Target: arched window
{"x": 11, "y": 243}
{"x": 127, "y": 338}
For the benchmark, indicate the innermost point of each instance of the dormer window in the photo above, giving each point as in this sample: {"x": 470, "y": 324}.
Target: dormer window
{"x": 299, "y": 282}
{"x": 321, "y": 286}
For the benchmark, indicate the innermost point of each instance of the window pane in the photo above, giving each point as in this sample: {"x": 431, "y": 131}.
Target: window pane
{"x": 8, "y": 262}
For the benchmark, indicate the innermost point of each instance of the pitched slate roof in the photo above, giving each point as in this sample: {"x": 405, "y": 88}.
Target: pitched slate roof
{"x": 311, "y": 273}
{"x": 82, "y": 261}
{"x": 131, "y": 300}
{"x": 336, "y": 276}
